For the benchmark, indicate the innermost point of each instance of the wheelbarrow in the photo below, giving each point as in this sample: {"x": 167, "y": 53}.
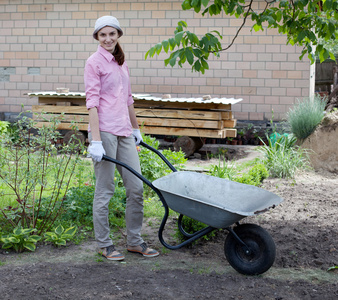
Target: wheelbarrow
{"x": 220, "y": 204}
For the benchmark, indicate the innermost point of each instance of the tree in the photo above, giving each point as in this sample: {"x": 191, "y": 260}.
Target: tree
{"x": 306, "y": 23}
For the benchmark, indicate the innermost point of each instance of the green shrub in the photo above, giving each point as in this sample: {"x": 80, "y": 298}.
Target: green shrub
{"x": 255, "y": 176}
{"x": 191, "y": 226}
{"x": 283, "y": 158}
{"x": 60, "y": 236}
{"x": 32, "y": 168}
{"x": 20, "y": 239}
{"x": 226, "y": 171}
{"x": 305, "y": 116}
{"x": 78, "y": 205}
{"x": 152, "y": 166}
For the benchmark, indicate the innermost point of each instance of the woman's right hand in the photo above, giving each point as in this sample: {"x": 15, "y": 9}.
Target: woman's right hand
{"x": 96, "y": 150}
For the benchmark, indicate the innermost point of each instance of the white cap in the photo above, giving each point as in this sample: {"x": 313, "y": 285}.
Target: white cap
{"x": 106, "y": 21}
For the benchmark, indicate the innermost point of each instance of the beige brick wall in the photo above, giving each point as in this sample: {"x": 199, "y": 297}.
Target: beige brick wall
{"x": 45, "y": 46}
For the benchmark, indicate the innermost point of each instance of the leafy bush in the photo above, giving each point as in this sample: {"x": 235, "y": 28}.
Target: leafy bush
{"x": 60, "y": 236}
{"x": 305, "y": 116}
{"x": 226, "y": 171}
{"x": 78, "y": 205}
{"x": 32, "y": 168}
{"x": 255, "y": 176}
{"x": 20, "y": 239}
{"x": 152, "y": 166}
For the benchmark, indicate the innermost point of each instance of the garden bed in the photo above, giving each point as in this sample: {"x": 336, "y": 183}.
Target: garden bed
{"x": 304, "y": 228}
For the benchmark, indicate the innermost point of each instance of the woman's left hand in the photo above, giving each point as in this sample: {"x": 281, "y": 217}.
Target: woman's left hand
{"x": 137, "y": 135}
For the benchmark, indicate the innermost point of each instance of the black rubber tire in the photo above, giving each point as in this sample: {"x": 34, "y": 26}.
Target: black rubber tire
{"x": 261, "y": 245}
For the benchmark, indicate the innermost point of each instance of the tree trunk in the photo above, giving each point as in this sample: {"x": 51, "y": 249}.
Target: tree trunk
{"x": 189, "y": 145}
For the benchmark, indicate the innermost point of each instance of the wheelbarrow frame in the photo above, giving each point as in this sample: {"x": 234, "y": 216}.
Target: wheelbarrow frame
{"x": 244, "y": 247}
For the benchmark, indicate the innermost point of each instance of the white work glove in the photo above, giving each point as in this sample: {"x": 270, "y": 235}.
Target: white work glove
{"x": 137, "y": 135}
{"x": 96, "y": 150}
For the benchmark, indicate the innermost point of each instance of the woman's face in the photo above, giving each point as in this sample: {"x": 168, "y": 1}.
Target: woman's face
{"x": 107, "y": 37}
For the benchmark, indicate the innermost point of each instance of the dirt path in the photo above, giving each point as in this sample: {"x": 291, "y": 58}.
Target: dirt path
{"x": 304, "y": 228}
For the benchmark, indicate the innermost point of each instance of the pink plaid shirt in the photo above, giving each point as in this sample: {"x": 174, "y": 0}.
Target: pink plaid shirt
{"x": 107, "y": 87}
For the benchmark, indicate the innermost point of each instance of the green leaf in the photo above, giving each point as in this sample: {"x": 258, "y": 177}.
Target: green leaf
{"x": 10, "y": 239}
{"x": 17, "y": 231}
{"x": 150, "y": 52}
{"x": 61, "y": 242}
{"x": 197, "y": 66}
{"x": 7, "y": 246}
{"x": 192, "y": 38}
{"x": 205, "y": 65}
{"x": 182, "y": 24}
{"x": 34, "y": 238}
{"x": 30, "y": 246}
{"x": 158, "y": 48}
{"x": 165, "y": 45}
{"x": 301, "y": 36}
{"x": 332, "y": 56}
{"x": 178, "y": 37}
{"x": 172, "y": 43}
{"x": 205, "y": 3}
{"x": 70, "y": 231}
{"x": 59, "y": 230}
{"x": 186, "y": 5}
{"x": 257, "y": 27}
{"x": 172, "y": 61}
{"x": 189, "y": 55}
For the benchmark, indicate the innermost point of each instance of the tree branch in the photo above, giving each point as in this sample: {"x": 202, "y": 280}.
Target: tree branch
{"x": 240, "y": 28}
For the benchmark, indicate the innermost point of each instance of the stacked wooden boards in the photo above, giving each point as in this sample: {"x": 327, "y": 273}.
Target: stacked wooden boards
{"x": 195, "y": 117}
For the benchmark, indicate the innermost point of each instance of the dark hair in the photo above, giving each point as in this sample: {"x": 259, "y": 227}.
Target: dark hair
{"x": 119, "y": 54}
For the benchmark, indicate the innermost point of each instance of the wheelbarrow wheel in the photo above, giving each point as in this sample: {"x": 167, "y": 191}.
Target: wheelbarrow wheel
{"x": 257, "y": 256}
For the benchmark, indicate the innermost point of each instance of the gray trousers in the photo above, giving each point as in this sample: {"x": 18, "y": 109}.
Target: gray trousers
{"x": 124, "y": 150}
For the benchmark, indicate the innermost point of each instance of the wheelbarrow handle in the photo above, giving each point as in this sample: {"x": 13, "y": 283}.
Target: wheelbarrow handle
{"x": 160, "y": 155}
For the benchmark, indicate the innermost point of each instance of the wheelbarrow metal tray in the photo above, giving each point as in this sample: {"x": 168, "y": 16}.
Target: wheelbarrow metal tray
{"x": 211, "y": 200}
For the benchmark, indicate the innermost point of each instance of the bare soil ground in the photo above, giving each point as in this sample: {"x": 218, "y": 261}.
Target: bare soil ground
{"x": 304, "y": 228}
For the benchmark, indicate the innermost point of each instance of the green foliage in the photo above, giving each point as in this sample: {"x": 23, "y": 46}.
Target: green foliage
{"x": 60, "y": 236}
{"x": 305, "y": 23}
{"x": 78, "y": 205}
{"x": 195, "y": 51}
{"x": 152, "y": 166}
{"x": 117, "y": 207}
{"x": 20, "y": 239}
{"x": 3, "y": 126}
{"x": 225, "y": 171}
{"x": 32, "y": 168}
{"x": 305, "y": 116}
{"x": 283, "y": 158}
{"x": 191, "y": 226}
{"x": 255, "y": 176}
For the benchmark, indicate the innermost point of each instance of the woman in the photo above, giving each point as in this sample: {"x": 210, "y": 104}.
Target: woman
{"x": 113, "y": 130}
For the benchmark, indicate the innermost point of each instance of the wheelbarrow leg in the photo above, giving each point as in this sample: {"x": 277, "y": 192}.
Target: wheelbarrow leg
{"x": 192, "y": 237}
